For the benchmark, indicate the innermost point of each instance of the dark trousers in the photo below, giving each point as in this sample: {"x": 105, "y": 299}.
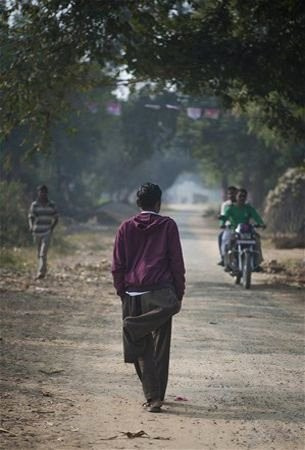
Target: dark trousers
{"x": 146, "y": 337}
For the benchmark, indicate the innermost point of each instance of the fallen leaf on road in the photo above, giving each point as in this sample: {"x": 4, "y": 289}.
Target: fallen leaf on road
{"x": 51, "y": 372}
{"x": 162, "y": 438}
{"x": 131, "y": 435}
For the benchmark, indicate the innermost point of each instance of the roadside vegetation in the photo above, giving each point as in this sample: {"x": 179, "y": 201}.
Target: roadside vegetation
{"x": 66, "y": 123}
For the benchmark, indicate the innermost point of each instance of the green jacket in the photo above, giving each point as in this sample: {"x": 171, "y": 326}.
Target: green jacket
{"x": 241, "y": 214}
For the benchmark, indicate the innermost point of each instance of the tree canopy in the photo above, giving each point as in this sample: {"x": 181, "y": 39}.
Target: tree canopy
{"x": 246, "y": 52}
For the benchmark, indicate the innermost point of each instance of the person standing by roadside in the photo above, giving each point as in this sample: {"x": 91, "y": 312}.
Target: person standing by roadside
{"x": 149, "y": 277}
{"x": 43, "y": 218}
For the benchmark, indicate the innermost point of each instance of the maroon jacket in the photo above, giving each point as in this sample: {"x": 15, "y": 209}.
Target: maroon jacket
{"x": 147, "y": 255}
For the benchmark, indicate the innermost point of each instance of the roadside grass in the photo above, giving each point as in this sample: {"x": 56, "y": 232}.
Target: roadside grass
{"x": 22, "y": 259}
{"x": 295, "y": 266}
{"x": 90, "y": 240}
{"x": 16, "y": 258}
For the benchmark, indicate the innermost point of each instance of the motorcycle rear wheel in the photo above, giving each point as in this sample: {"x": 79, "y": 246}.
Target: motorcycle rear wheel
{"x": 246, "y": 276}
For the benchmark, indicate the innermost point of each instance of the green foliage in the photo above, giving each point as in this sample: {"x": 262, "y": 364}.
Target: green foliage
{"x": 230, "y": 154}
{"x": 94, "y": 154}
{"x": 51, "y": 49}
{"x": 284, "y": 211}
{"x": 244, "y": 52}
{"x": 38, "y": 70}
{"x": 14, "y": 209}
{"x": 16, "y": 258}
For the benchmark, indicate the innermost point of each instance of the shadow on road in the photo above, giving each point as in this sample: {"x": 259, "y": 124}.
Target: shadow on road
{"x": 247, "y": 407}
{"x": 230, "y": 286}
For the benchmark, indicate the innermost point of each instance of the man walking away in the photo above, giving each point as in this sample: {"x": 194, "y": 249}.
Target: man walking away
{"x": 43, "y": 218}
{"x": 148, "y": 274}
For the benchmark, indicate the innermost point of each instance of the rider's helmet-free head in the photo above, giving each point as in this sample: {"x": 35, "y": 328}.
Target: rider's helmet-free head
{"x": 241, "y": 196}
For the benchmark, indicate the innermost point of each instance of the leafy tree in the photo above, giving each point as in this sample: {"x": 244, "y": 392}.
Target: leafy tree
{"x": 147, "y": 123}
{"x": 51, "y": 49}
{"x": 248, "y": 54}
{"x": 241, "y": 51}
{"x": 230, "y": 153}
{"x": 92, "y": 151}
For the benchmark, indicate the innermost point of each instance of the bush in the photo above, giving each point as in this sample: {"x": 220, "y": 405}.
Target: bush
{"x": 14, "y": 209}
{"x": 284, "y": 211}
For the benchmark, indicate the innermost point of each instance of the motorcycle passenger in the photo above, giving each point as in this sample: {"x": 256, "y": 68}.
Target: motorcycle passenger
{"x": 240, "y": 212}
{"x": 231, "y": 198}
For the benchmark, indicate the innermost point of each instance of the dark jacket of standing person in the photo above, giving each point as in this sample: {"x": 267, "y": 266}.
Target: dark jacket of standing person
{"x": 148, "y": 255}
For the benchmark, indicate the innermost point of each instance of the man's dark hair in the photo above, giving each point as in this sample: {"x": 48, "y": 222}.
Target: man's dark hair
{"x": 243, "y": 191}
{"x": 232, "y": 188}
{"x": 148, "y": 195}
{"x": 42, "y": 187}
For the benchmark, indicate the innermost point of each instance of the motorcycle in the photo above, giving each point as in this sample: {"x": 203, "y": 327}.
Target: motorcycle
{"x": 241, "y": 256}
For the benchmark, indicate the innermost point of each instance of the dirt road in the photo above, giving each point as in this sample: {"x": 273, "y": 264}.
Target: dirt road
{"x": 236, "y": 379}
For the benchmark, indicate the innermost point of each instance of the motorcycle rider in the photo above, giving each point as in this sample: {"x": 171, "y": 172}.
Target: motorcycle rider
{"x": 231, "y": 198}
{"x": 240, "y": 212}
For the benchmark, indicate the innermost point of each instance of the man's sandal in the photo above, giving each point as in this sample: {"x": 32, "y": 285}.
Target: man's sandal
{"x": 155, "y": 406}
{"x": 146, "y": 404}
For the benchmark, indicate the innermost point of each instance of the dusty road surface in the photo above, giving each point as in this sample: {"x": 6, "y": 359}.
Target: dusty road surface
{"x": 236, "y": 378}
